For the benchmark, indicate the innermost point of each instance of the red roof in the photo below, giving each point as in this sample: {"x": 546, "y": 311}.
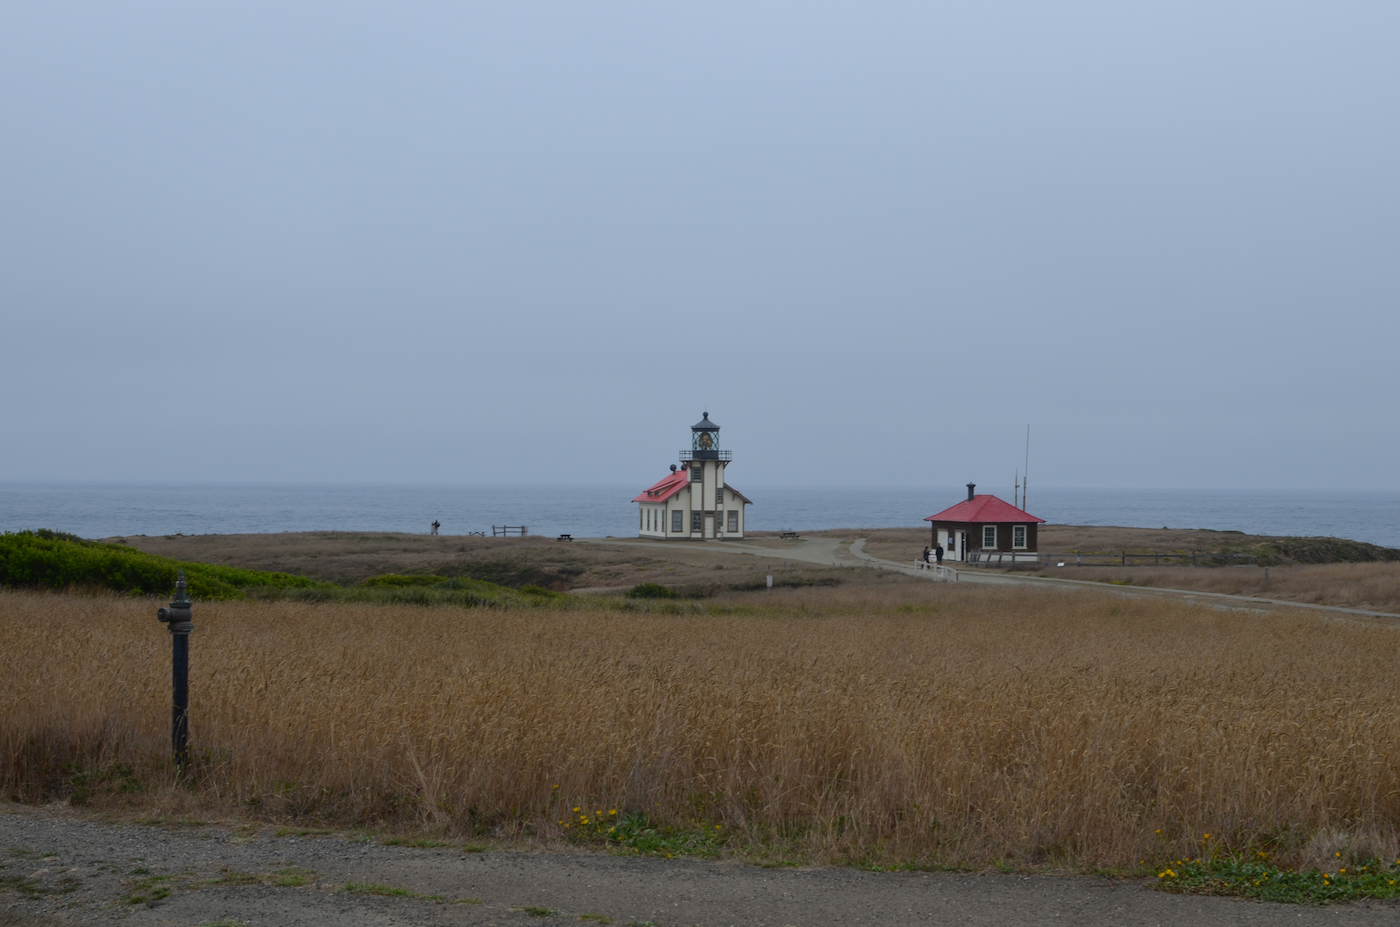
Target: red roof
{"x": 984, "y": 509}
{"x": 674, "y": 484}
{"x": 666, "y": 488}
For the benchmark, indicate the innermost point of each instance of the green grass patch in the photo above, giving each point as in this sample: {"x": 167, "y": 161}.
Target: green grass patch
{"x": 535, "y": 910}
{"x": 143, "y": 891}
{"x": 46, "y": 559}
{"x": 291, "y": 877}
{"x": 1265, "y": 882}
{"x": 400, "y": 580}
{"x": 375, "y": 888}
{"x": 23, "y": 885}
{"x": 638, "y": 834}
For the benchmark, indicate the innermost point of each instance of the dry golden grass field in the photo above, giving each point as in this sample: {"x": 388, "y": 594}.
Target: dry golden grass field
{"x": 1370, "y": 586}
{"x": 352, "y": 557}
{"x": 898, "y": 722}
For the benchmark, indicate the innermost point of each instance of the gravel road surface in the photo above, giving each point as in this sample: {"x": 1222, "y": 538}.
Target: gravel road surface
{"x": 61, "y": 868}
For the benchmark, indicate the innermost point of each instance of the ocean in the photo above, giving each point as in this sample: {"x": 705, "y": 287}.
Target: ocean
{"x": 98, "y": 511}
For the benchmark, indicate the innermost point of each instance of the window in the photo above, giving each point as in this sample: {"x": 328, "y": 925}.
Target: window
{"x": 733, "y": 527}
{"x": 719, "y": 498}
{"x": 697, "y": 474}
{"x": 1018, "y": 537}
{"x": 989, "y": 537}
{"x": 695, "y": 521}
{"x": 641, "y": 514}
{"x": 677, "y": 521}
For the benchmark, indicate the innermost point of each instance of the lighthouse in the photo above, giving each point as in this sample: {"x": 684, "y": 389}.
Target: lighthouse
{"x": 694, "y": 502}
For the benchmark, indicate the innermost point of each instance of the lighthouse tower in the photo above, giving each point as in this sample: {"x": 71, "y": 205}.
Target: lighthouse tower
{"x": 694, "y": 502}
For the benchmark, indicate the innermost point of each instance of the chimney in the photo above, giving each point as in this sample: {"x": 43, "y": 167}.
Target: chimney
{"x": 971, "y": 488}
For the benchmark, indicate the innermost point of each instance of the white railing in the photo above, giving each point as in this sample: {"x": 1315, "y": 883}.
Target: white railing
{"x": 947, "y": 574}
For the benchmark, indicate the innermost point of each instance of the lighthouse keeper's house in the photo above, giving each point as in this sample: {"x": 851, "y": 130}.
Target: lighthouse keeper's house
{"x": 985, "y": 530}
{"x": 694, "y": 502}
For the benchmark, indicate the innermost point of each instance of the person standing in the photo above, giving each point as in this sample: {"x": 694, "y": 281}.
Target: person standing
{"x": 938, "y": 552}
{"x": 436, "y": 526}
{"x": 925, "y": 558}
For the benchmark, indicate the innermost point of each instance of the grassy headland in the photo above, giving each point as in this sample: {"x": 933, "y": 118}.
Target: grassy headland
{"x": 849, "y": 716}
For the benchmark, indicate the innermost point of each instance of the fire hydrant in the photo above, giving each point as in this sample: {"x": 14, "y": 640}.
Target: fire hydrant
{"x": 179, "y": 618}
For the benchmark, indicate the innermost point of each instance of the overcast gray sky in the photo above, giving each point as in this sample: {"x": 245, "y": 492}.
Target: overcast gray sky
{"x": 520, "y": 242}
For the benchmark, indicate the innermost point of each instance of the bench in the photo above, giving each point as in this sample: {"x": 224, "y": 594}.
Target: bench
{"x": 788, "y": 536}
{"x": 476, "y": 534}
{"x": 566, "y": 537}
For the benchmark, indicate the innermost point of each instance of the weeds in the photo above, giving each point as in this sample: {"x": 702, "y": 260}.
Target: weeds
{"x": 375, "y": 888}
{"x": 1258, "y": 879}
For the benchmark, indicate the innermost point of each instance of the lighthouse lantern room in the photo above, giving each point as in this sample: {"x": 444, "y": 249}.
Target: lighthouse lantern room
{"x": 694, "y": 502}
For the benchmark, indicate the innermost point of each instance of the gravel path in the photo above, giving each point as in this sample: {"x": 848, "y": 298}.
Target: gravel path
{"x": 61, "y": 868}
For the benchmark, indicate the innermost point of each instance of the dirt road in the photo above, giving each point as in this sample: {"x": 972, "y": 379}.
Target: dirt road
{"x": 61, "y": 868}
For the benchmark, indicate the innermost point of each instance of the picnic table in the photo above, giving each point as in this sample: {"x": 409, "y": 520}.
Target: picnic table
{"x": 788, "y": 536}
{"x": 566, "y": 537}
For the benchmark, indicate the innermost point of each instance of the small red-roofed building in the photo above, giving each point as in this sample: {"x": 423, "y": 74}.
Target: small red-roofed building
{"x": 984, "y": 529}
{"x": 694, "y": 502}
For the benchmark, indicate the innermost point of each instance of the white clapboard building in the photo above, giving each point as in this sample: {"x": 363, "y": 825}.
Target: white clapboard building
{"x": 694, "y": 502}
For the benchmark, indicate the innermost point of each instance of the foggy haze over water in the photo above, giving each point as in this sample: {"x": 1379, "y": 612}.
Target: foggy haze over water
{"x": 598, "y": 511}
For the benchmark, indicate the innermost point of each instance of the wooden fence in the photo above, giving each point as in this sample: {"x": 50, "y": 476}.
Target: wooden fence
{"x": 1157, "y": 557}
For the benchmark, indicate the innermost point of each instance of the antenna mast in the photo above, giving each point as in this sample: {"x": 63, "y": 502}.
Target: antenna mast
{"x": 1026, "y": 474}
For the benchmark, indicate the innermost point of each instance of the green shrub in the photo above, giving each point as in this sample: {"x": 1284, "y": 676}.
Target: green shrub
{"x": 399, "y": 579}
{"x": 53, "y": 560}
{"x": 651, "y": 591}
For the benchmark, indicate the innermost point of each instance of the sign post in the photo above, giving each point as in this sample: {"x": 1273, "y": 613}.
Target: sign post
{"x": 179, "y": 618}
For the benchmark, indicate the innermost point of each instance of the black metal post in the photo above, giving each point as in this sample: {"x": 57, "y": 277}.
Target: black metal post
{"x": 179, "y": 617}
